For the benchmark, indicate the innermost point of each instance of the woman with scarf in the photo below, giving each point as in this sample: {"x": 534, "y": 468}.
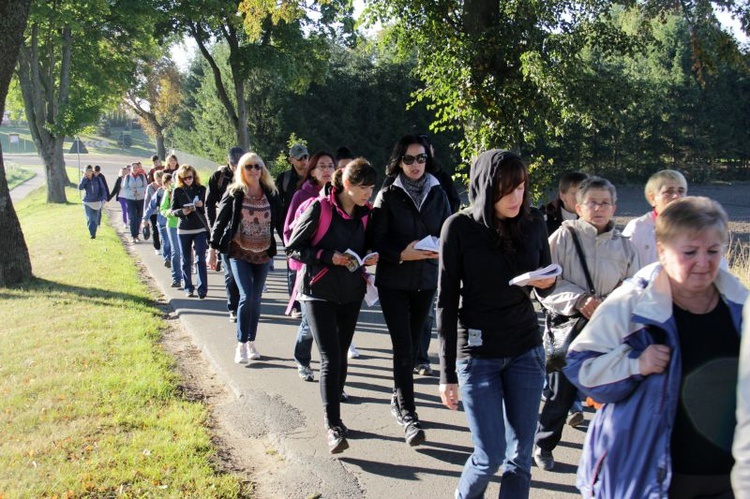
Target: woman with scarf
{"x": 409, "y": 208}
{"x": 133, "y": 189}
{"x": 490, "y": 344}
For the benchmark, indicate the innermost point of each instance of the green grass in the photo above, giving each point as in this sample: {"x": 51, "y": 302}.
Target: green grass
{"x": 142, "y": 147}
{"x": 91, "y": 405}
{"x": 15, "y": 175}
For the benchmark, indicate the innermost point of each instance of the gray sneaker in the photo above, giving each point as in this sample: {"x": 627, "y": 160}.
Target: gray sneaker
{"x": 305, "y": 373}
{"x": 544, "y": 459}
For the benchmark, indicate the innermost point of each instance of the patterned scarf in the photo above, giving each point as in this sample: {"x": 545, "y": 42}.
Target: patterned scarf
{"x": 415, "y": 188}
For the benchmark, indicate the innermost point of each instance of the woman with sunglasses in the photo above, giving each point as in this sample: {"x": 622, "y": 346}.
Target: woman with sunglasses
{"x": 319, "y": 171}
{"x": 411, "y": 207}
{"x": 248, "y": 214}
{"x": 192, "y": 229}
{"x": 332, "y": 288}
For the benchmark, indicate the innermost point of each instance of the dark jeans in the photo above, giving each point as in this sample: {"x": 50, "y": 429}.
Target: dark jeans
{"x": 405, "y": 313}
{"x": 155, "y": 240}
{"x": 233, "y": 292}
{"x": 332, "y": 327}
{"x": 250, "y": 280}
{"x": 561, "y": 396}
{"x": 135, "y": 214}
{"x": 200, "y": 240}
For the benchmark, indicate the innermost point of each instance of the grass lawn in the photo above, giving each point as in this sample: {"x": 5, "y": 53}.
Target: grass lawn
{"x": 16, "y": 175}
{"x": 91, "y": 405}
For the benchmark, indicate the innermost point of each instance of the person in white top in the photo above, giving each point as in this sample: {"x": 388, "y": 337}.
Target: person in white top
{"x": 662, "y": 188}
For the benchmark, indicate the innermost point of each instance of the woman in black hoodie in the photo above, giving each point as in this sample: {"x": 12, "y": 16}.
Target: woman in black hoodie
{"x": 490, "y": 344}
{"x": 411, "y": 207}
{"x": 333, "y": 286}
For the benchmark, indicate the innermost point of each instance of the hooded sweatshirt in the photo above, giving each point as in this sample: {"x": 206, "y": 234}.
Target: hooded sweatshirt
{"x": 473, "y": 289}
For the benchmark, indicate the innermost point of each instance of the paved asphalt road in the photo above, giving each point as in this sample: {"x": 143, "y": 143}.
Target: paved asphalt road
{"x": 287, "y": 411}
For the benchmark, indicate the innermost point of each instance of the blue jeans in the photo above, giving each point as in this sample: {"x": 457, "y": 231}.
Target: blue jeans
{"x": 501, "y": 401}
{"x": 92, "y": 219}
{"x": 250, "y": 278}
{"x": 200, "y": 240}
{"x": 233, "y": 293}
{"x": 303, "y": 344}
{"x": 175, "y": 253}
{"x": 166, "y": 248}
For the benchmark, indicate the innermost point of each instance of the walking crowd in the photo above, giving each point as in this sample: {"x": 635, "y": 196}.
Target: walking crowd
{"x": 643, "y": 325}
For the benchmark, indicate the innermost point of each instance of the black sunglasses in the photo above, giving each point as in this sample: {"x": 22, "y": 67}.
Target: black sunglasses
{"x": 250, "y": 167}
{"x": 409, "y": 159}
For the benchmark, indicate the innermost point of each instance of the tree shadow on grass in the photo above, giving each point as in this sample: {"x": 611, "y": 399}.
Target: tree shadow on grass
{"x": 59, "y": 291}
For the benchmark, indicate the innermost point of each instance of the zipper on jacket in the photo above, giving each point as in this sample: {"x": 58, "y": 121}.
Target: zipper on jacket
{"x": 318, "y": 276}
{"x": 597, "y": 470}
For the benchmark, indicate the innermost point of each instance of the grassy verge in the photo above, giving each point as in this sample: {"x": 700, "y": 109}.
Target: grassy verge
{"x": 15, "y": 175}
{"x": 90, "y": 401}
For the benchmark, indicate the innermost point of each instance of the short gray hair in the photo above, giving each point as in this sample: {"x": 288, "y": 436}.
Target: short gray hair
{"x": 592, "y": 183}
{"x": 691, "y": 215}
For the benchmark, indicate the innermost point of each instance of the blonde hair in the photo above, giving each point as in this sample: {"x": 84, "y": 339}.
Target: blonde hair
{"x": 691, "y": 215}
{"x": 658, "y": 179}
{"x": 238, "y": 180}
{"x": 187, "y": 169}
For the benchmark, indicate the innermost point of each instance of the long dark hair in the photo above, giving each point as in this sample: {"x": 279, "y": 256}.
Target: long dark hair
{"x": 511, "y": 172}
{"x": 393, "y": 167}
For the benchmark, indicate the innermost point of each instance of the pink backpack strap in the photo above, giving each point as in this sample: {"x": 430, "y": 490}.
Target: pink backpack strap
{"x": 324, "y": 222}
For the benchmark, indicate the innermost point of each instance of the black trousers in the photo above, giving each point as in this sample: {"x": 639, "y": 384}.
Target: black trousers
{"x": 405, "y": 314}
{"x": 555, "y": 411}
{"x": 155, "y": 240}
{"x": 332, "y": 327}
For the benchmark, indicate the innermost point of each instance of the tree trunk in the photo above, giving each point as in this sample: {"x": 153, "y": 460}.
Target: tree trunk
{"x": 160, "y": 149}
{"x": 15, "y": 264}
{"x": 41, "y": 107}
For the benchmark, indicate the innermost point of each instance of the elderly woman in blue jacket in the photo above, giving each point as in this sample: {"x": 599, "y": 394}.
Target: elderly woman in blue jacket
{"x": 661, "y": 352}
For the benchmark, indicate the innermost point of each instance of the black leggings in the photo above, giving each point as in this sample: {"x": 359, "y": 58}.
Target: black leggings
{"x": 332, "y": 326}
{"x": 405, "y": 314}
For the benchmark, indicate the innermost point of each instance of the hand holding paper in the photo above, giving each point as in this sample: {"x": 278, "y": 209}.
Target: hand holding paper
{"x": 552, "y": 270}
{"x": 429, "y": 243}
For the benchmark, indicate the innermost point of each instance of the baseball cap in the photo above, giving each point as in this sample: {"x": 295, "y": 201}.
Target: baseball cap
{"x": 298, "y": 150}
{"x": 235, "y": 153}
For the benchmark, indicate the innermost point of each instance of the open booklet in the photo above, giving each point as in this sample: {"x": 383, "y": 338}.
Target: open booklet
{"x": 355, "y": 261}
{"x": 429, "y": 243}
{"x": 552, "y": 270}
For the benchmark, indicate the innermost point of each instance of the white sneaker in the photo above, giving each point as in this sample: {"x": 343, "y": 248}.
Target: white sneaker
{"x": 353, "y": 352}
{"x": 240, "y": 354}
{"x": 252, "y": 352}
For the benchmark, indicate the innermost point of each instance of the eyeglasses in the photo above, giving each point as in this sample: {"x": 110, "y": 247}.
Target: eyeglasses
{"x": 408, "y": 159}
{"x": 253, "y": 167}
{"x": 327, "y": 167}
{"x": 303, "y": 157}
{"x": 189, "y": 177}
{"x": 592, "y": 205}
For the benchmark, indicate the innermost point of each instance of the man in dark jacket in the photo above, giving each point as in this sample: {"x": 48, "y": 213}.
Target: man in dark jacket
{"x": 217, "y": 186}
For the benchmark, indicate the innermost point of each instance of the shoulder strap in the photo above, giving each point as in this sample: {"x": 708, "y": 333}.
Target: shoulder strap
{"x": 579, "y": 250}
{"x": 324, "y": 222}
{"x": 285, "y": 182}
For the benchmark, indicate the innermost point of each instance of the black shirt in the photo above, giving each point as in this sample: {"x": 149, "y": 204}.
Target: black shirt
{"x": 704, "y": 423}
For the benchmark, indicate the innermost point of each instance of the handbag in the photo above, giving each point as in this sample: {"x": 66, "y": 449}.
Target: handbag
{"x": 560, "y": 330}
